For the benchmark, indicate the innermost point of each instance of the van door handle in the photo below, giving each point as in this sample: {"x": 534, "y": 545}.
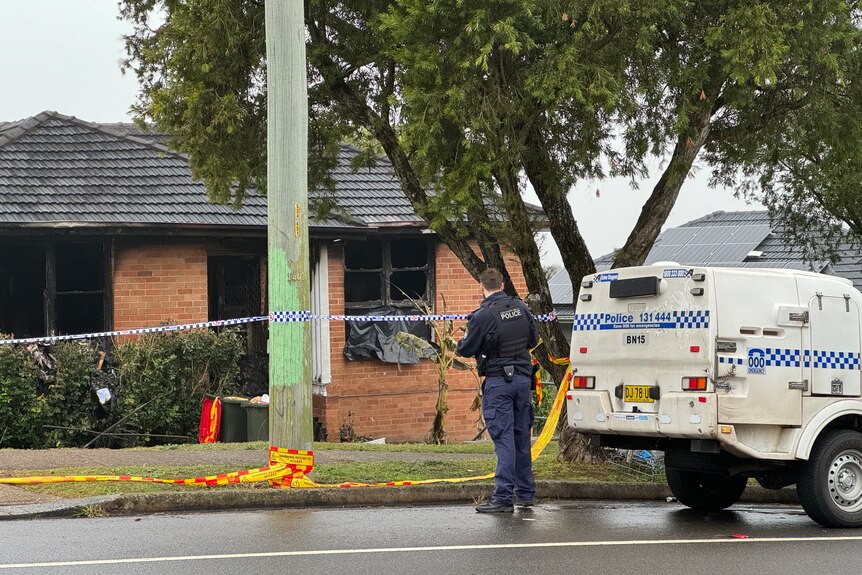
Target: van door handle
{"x": 803, "y": 385}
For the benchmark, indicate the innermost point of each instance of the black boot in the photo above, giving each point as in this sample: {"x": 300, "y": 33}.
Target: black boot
{"x": 492, "y": 506}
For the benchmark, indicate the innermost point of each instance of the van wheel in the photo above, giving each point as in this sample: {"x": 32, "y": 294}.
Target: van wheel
{"x": 705, "y": 491}
{"x": 830, "y": 482}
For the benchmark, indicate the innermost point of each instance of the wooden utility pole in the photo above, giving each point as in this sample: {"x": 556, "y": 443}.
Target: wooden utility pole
{"x": 290, "y": 424}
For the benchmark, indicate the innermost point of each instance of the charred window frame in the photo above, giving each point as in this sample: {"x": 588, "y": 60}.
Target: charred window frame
{"x": 55, "y": 287}
{"x": 388, "y": 272}
{"x": 80, "y": 283}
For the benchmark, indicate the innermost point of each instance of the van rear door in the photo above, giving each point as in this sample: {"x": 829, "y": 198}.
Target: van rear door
{"x": 641, "y": 333}
{"x": 759, "y": 348}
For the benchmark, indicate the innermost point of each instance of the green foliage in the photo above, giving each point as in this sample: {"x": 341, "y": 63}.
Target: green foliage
{"x": 541, "y": 410}
{"x": 20, "y": 404}
{"x": 552, "y": 91}
{"x": 797, "y": 147}
{"x": 207, "y": 93}
{"x": 69, "y": 401}
{"x": 168, "y": 374}
{"x": 164, "y": 377}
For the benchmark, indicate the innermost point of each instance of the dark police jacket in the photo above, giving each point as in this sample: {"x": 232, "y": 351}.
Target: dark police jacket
{"x": 501, "y": 332}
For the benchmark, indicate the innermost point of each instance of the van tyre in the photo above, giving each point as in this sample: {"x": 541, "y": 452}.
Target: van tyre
{"x": 830, "y": 482}
{"x": 705, "y": 491}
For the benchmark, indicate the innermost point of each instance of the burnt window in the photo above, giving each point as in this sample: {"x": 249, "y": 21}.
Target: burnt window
{"x": 387, "y": 272}
{"x": 80, "y": 287}
{"x": 53, "y": 287}
{"x": 22, "y": 288}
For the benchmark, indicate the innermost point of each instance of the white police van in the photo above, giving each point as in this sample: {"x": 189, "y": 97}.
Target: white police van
{"x": 733, "y": 373}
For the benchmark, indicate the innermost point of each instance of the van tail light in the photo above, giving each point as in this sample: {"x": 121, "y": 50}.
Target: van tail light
{"x": 583, "y": 382}
{"x": 694, "y": 383}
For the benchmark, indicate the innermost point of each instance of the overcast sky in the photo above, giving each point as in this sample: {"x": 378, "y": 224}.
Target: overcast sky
{"x": 64, "y": 55}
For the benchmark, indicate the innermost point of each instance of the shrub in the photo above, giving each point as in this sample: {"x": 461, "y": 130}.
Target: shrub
{"x": 70, "y": 401}
{"x": 164, "y": 377}
{"x": 20, "y": 403}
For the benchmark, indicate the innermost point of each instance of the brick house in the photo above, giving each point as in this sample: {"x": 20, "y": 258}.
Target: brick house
{"x": 102, "y": 228}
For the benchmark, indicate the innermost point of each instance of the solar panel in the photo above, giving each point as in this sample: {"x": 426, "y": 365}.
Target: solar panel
{"x": 691, "y": 255}
{"x": 661, "y": 254}
{"x": 676, "y": 236}
{"x": 699, "y": 245}
{"x": 560, "y": 287}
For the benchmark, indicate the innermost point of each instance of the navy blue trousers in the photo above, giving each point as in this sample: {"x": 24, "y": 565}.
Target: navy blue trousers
{"x": 508, "y": 411}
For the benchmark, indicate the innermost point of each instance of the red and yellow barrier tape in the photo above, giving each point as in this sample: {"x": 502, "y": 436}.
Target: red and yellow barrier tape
{"x": 288, "y": 467}
{"x": 284, "y": 463}
{"x": 300, "y": 481}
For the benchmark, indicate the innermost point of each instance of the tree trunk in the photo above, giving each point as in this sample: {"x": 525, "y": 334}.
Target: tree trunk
{"x": 489, "y": 244}
{"x": 539, "y": 299}
{"x": 366, "y": 117}
{"x": 552, "y": 194}
{"x": 657, "y": 208}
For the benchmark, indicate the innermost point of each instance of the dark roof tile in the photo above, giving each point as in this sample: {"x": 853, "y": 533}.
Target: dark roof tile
{"x": 59, "y": 169}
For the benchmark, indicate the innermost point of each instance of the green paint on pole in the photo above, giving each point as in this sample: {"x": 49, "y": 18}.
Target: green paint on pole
{"x": 290, "y": 408}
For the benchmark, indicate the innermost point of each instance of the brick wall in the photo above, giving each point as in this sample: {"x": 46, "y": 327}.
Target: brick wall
{"x": 159, "y": 282}
{"x": 398, "y": 402}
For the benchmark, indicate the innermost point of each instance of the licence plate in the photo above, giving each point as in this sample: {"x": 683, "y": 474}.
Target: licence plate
{"x": 637, "y": 394}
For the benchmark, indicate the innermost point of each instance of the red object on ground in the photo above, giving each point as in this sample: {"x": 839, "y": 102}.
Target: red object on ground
{"x": 210, "y": 420}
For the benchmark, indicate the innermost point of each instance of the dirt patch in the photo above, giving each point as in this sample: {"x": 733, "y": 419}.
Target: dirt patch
{"x": 11, "y": 495}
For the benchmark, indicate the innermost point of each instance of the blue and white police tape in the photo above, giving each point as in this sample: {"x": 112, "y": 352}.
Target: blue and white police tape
{"x": 274, "y": 316}
{"x": 136, "y": 331}
{"x": 294, "y": 316}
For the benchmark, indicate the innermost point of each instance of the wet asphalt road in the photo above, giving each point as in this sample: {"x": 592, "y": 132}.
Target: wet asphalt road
{"x": 554, "y": 537}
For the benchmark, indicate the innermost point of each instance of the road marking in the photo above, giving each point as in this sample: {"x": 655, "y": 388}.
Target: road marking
{"x": 319, "y": 552}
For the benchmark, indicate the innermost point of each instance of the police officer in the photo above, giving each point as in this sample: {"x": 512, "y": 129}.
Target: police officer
{"x": 499, "y": 335}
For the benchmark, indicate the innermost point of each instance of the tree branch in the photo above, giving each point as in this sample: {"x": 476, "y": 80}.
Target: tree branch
{"x": 363, "y": 115}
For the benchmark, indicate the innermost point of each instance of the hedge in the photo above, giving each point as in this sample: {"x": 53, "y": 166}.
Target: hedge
{"x": 48, "y": 399}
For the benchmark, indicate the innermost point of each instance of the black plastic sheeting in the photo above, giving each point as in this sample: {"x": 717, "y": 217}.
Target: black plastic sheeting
{"x": 376, "y": 339}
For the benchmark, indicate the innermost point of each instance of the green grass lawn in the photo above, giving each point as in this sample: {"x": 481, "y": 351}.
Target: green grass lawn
{"x": 547, "y": 466}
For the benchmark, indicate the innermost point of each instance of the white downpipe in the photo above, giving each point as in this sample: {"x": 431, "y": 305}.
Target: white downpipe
{"x": 320, "y": 364}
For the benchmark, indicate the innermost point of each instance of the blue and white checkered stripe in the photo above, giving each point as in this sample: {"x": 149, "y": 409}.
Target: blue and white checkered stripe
{"x": 587, "y": 321}
{"x": 428, "y": 317}
{"x": 275, "y": 316}
{"x": 785, "y": 357}
{"x": 695, "y": 319}
{"x": 691, "y": 319}
{"x": 833, "y": 359}
{"x": 423, "y": 317}
{"x": 289, "y": 316}
{"x": 781, "y": 357}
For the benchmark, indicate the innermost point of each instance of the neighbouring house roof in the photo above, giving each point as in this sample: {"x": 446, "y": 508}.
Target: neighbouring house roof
{"x": 59, "y": 170}
{"x": 725, "y": 239}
